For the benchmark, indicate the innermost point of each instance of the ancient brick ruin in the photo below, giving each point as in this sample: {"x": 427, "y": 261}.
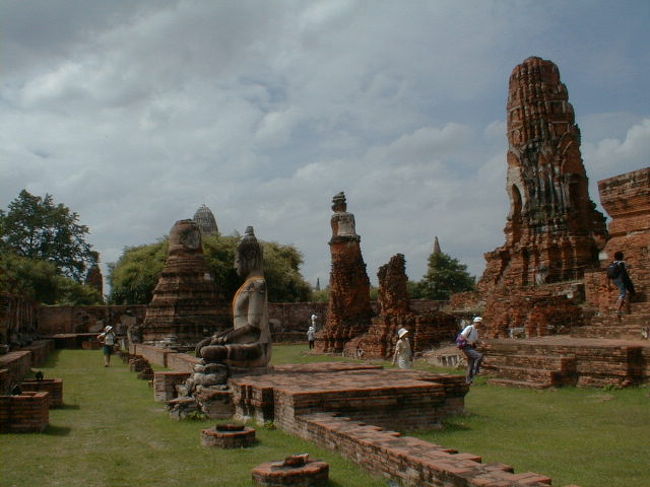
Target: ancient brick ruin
{"x": 186, "y": 306}
{"x": 349, "y": 311}
{"x": 553, "y": 232}
{"x": 627, "y": 200}
{"x": 394, "y": 312}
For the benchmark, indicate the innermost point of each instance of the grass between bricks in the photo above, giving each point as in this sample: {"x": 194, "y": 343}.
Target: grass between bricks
{"x": 112, "y": 433}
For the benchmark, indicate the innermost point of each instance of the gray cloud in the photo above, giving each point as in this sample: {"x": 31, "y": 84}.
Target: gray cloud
{"x": 134, "y": 114}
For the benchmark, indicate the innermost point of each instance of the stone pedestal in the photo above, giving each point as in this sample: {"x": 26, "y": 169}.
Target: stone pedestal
{"x": 228, "y": 436}
{"x": 296, "y": 470}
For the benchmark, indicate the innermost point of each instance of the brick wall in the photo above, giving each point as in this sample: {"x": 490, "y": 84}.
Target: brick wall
{"x": 412, "y": 461}
{"x": 18, "y": 366}
{"x": 53, "y": 386}
{"x": 24, "y": 413}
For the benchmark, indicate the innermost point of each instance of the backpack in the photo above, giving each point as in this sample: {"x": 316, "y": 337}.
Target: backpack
{"x": 461, "y": 341}
{"x": 613, "y": 270}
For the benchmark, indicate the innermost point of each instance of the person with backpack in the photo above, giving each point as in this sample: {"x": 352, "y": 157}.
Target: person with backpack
{"x": 617, "y": 274}
{"x": 466, "y": 342}
{"x": 108, "y": 338}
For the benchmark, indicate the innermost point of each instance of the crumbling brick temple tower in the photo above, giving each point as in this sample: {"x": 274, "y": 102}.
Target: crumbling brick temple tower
{"x": 394, "y": 312}
{"x": 553, "y": 231}
{"x": 349, "y": 311}
{"x": 186, "y": 306}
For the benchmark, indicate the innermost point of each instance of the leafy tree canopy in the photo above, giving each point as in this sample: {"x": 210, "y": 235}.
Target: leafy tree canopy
{"x": 37, "y": 228}
{"x": 445, "y": 276}
{"x": 40, "y": 280}
{"x": 134, "y": 276}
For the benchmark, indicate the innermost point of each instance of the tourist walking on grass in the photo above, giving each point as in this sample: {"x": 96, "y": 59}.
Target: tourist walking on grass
{"x": 617, "y": 274}
{"x": 474, "y": 357}
{"x": 311, "y": 336}
{"x": 107, "y": 337}
{"x": 403, "y": 355}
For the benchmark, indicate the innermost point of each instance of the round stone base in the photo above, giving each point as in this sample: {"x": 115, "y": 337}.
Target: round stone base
{"x": 294, "y": 471}
{"x": 228, "y": 436}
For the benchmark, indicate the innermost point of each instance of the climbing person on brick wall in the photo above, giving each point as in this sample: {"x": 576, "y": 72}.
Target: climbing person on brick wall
{"x": 617, "y": 274}
{"x": 468, "y": 347}
{"x": 108, "y": 338}
{"x": 403, "y": 354}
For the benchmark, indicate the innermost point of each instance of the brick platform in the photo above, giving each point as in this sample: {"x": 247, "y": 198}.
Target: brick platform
{"x": 392, "y": 398}
{"x": 564, "y": 360}
{"x": 24, "y": 413}
{"x": 53, "y": 386}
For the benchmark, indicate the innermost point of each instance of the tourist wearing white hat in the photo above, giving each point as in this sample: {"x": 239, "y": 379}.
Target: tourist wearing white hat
{"x": 107, "y": 337}
{"x": 403, "y": 355}
{"x": 474, "y": 357}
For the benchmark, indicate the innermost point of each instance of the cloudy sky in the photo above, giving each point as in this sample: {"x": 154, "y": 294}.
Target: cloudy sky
{"x": 134, "y": 114}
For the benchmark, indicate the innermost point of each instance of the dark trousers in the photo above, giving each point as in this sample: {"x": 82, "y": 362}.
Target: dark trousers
{"x": 311, "y": 344}
{"x": 474, "y": 359}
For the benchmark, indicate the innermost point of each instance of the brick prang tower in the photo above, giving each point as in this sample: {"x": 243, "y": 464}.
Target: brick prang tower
{"x": 553, "y": 231}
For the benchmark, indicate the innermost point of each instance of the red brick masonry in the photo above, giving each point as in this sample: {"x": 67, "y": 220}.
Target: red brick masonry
{"x": 24, "y": 413}
{"x": 53, "y": 386}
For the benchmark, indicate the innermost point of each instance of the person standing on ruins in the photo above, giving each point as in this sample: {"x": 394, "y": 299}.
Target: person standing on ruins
{"x": 107, "y": 337}
{"x": 311, "y": 336}
{"x": 403, "y": 354}
{"x": 617, "y": 273}
{"x": 474, "y": 357}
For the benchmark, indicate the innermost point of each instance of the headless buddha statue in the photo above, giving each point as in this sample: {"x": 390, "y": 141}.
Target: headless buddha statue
{"x": 248, "y": 343}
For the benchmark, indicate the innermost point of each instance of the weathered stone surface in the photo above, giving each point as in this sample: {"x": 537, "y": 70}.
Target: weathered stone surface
{"x": 186, "y": 305}
{"x": 553, "y": 232}
{"x": 349, "y": 311}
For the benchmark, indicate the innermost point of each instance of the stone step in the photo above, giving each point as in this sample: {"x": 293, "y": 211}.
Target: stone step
{"x": 561, "y": 363}
{"x": 522, "y": 384}
{"x": 532, "y": 374}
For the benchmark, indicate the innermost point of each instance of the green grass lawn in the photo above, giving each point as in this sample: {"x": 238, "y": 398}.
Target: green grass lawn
{"x": 112, "y": 433}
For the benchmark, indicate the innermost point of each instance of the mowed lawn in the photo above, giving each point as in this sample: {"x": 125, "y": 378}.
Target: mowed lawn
{"x": 112, "y": 433}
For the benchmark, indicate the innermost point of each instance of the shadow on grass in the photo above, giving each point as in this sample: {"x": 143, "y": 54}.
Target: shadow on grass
{"x": 52, "y": 430}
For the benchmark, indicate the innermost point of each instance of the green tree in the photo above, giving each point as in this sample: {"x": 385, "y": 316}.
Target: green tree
{"x": 40, "y": 280}
{"x": 445, "y": 276}
{"x": 37, "y": 228}
{"x": 134, "y": 276}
